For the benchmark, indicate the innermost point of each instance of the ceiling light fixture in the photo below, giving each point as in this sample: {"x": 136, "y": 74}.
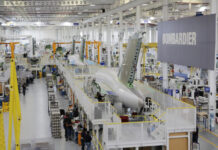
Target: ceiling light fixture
{"x": 92, "y": 5}
{"x": 151, "y": 18}
{"x": 67, "y": 24}
{"x": 202, "y": 9}
{"x": 38, "y": 23}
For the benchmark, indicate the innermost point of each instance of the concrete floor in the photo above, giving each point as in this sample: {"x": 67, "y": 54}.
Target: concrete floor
{"x": 208, "y": 140}
{"x": 35, "y": 126}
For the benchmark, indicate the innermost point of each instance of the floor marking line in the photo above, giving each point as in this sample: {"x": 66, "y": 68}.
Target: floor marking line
{"x": 211, "y": 133}
{"x": 207, "y": 130}
{"x": 208, "y": 141}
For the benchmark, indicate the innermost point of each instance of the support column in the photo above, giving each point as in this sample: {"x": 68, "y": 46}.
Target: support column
{"x": 81, "y": 30}
{"x": 137, "y": 29}
{"x": 93, "y": 31}
{"x": 108, "y": 42}
{"x": 212, "y": 77}
{"x": 93, "y": 39}
{"x": 100, "y": 37}
{"x": 100, "y": 31}
{"x": 77, "y": 32}
{"x": 85, "y": 32}
{"x": 138, "y": 18}
{"x": 146, "y": 35}
{"x": 121, "y": 38}
{"x": 165, "y": 65}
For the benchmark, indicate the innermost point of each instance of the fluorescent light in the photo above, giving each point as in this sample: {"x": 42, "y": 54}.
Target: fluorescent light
{"x": 151, "y": 18}
{"x": 92, "y": 5}
{"x": 203, "y": 8}
{"x": 38, "y": 23}
{"x": 145, "y": 4}
{"x": 67, "y": 24}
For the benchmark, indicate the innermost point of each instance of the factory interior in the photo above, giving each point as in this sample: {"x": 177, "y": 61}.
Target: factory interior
{"x": 108, "y": 75}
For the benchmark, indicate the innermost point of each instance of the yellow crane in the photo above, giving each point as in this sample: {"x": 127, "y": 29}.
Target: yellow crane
{"x": 145, "y": 48}
{"x": 96, "y": 44}
{"x": 54, "y": 45}
{"x": 14, "y": 107}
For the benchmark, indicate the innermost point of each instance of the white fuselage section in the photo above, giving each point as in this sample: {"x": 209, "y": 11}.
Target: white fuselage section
{"x": 124, "y": 94}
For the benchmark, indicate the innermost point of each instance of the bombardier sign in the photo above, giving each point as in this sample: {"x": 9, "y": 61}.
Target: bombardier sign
{"x": 188, "y": 41}
{"x": 188, "y": 38}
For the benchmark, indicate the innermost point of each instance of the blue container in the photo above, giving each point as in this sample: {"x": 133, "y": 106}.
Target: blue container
{"x": 166, "y": 91}
{"x": 207, "y": 89}
{"x": 63, "y": 93}
{"x": 102, "y": 63}
{"x": 6, "y": 99}
{"x": 170, "y": 92}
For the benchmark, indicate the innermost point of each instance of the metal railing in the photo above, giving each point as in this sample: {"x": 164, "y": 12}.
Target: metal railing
{"x": 95, "y": 141}
{"x": 96, "y": 111}
{"x": 178, "y": 114}
{"x": 144, "y": 133}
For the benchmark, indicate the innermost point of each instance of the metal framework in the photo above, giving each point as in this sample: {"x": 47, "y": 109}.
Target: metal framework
{"x": 118, "y": 9}
{"x": 54, "y": 45}
{"x": 96, "y": 44}
{"x": 145, "y": 48}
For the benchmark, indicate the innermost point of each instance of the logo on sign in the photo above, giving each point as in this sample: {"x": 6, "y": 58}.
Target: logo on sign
{"x": 182, "y": 38}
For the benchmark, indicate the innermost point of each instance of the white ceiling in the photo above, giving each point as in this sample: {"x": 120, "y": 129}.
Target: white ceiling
{"x": 58, "y": 11}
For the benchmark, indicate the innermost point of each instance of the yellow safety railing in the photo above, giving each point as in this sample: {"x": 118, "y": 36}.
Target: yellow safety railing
{"x": 2, "y": 131}
{"x": 54, "y": 45}
{"x": 96, "y": 142}
{"x": 14, "y": 108}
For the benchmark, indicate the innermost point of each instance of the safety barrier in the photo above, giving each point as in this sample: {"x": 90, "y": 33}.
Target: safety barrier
{"x": 131, "y": 134}
{"x": 178, "y": 114}
{"x": 170, "y": 115}
{"x": 98, "y": 112}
